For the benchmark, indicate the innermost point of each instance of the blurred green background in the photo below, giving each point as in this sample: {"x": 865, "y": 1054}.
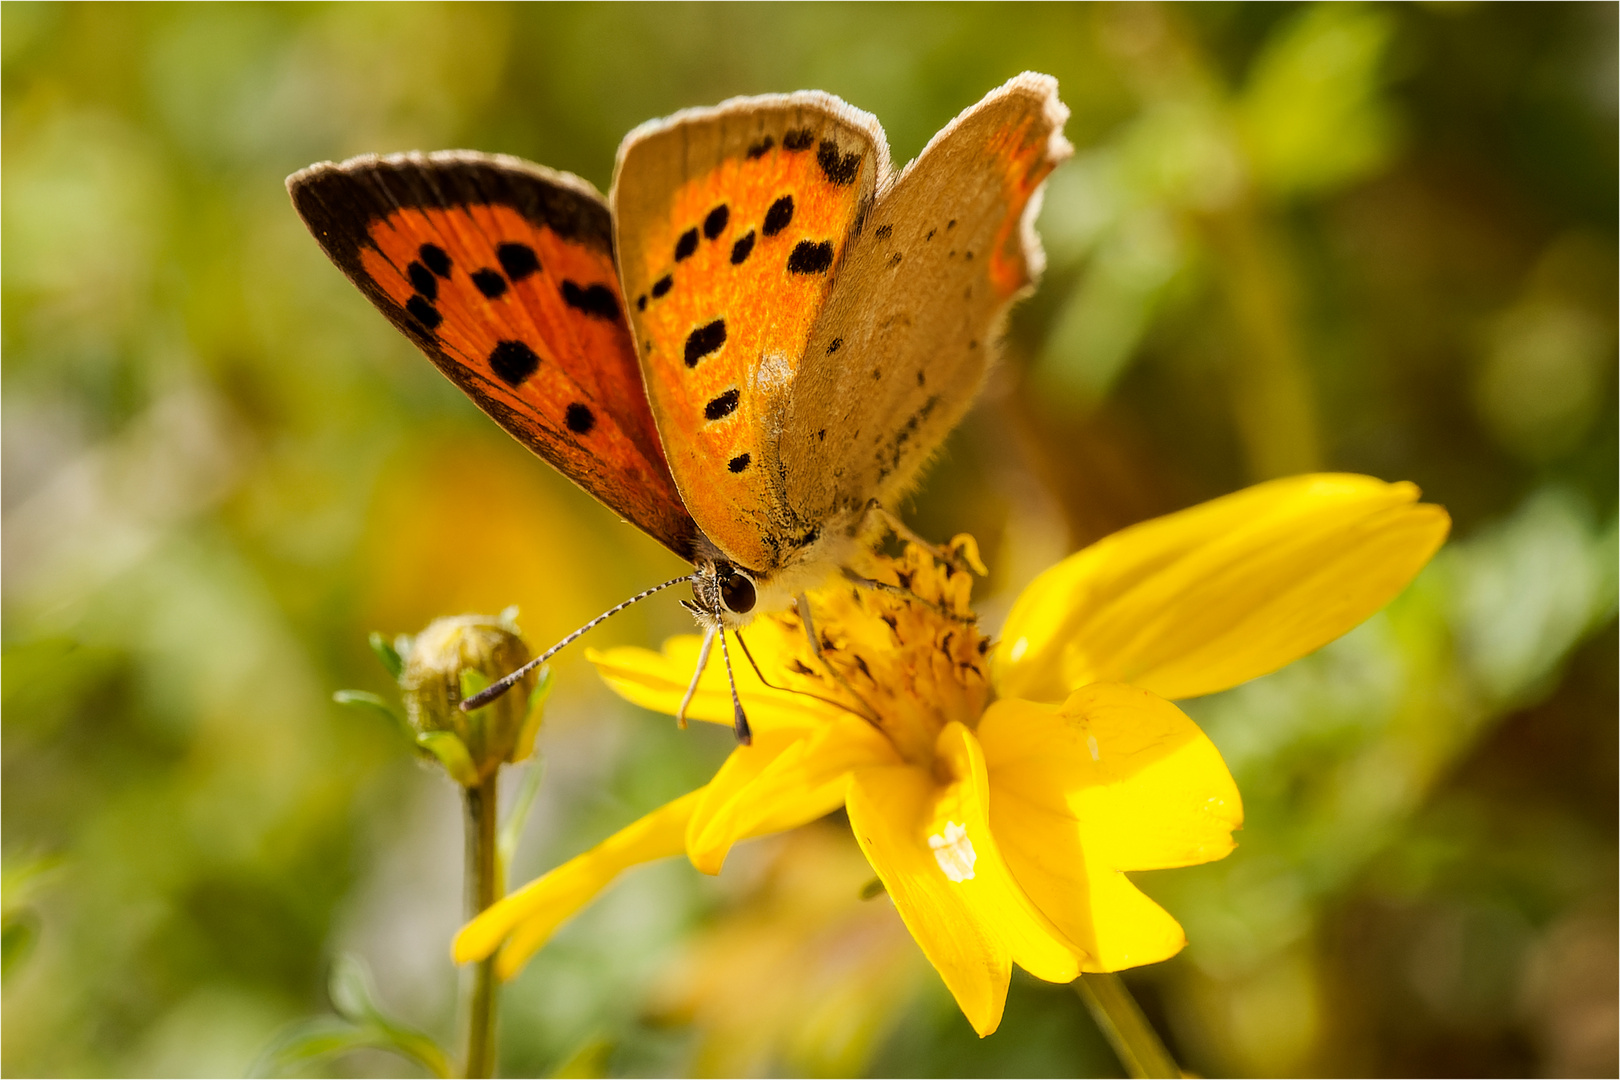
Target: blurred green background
{"x": 1371, "y": 238}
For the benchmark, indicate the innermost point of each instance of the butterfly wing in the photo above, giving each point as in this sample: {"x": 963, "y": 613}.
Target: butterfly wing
{"x": 910, "y": 328}
{"x": 502, "y": 272}
{"x": 732, "y": 224}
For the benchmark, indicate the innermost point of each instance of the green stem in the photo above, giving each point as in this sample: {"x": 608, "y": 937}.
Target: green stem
{"x": 482, "y": 886}
{"x": 1124, "y": 1026}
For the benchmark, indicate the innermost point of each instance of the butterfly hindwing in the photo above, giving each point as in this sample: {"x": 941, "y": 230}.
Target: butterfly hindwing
{"x": 910, "y": 328}
{"x": 732, "y": 224}
{"x": 503, "y": 274}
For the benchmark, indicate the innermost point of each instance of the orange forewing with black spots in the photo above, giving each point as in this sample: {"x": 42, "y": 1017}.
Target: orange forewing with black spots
{"x": 503, "y": 274}
{"x": 731, "y": 225}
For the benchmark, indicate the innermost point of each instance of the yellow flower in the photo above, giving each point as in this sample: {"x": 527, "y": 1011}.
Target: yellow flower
{"x": 800, "y": 909}
{"x": 1002, "y": 792}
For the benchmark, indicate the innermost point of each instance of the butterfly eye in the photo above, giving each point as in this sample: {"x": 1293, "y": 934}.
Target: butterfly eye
{"x": 737, "y": 592}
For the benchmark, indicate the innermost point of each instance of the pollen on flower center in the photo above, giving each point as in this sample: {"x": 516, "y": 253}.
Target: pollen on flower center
{"x": 954, "y": 852}
{"x": 909, "y": 658}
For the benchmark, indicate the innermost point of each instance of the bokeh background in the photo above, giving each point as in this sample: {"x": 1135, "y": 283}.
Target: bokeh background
{"x": 1371, "y": 238}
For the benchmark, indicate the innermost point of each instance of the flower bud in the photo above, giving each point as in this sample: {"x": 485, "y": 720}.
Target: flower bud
{"x": 450, "y": 661}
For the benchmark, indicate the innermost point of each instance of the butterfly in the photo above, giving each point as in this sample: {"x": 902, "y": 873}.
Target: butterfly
{"x": 751, "y": 348}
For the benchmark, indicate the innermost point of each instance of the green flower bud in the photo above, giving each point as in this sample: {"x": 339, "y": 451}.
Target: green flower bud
{"x": 450, "y": 661}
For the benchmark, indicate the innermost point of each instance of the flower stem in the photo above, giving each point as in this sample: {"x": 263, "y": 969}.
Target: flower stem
{"x": 1123, "y": 1025}
{"x": 479, "y": 1002}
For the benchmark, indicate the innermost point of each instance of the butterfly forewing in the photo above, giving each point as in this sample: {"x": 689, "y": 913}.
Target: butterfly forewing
{"x": 909, "y": 330}
{"x": 503, "y": 274}
{"x": 732, "y": 224}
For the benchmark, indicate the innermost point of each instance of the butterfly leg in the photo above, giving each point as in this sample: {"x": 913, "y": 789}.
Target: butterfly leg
{"x": 895, "y": 590}
{"x": 879, "y": 515}
{"x": 803, "y": 603}
{"x": 691, "y": 690}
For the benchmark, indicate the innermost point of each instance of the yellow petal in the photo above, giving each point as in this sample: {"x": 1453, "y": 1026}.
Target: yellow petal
{"x": 526, "y": 919}
{"x": 887, "y": 806}
{"x": 658, "y": 681}
{"x": 766, "y": 788}
{"x": 1114, "y": 779}
{"x": 1218, "y": 594}
{"x": 932, "y": 846}
{"x": 1144, "y": 786}
{"x": 1037, "y": 945}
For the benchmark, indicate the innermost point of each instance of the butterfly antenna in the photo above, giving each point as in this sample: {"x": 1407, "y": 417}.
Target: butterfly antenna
{"x": 703, "y": 662}
{"x": 506, "y": 682}
{"x": 739, "y": 719}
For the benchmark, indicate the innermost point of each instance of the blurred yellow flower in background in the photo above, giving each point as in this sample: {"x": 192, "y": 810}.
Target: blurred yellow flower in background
{"x": 799, "y": 908}
{"x": 1002, "y": 791}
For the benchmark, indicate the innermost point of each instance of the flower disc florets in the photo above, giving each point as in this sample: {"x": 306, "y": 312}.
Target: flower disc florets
{"x": 909, "y": 659}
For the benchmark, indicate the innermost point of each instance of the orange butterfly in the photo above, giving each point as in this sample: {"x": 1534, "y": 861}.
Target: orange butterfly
{"x": 750, "y": 348}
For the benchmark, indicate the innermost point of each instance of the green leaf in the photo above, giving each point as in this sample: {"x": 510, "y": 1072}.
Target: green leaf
{"x": 360, "y": 699}
{"x": 452, "y": 754}
{"x": 389, "y": 653}
{"x": 309, "y": 1042}
{"x": 354, "y": 996}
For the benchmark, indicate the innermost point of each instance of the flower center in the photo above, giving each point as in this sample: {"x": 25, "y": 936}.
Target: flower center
{"x": 909, "y": 658}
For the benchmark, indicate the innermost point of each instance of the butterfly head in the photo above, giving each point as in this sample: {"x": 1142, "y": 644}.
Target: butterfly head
{"x": 725, "y": 595}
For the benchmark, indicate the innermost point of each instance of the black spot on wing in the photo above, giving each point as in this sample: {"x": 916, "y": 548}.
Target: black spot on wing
{"x": 423, "y": 281}
{"x": 798, "y": 139}
{"x": 489, "y": 282}
{"x": 662, "y": 286}
{"x": 579, "y": 419}
{"x": 435, "y": 258}
{"x": 779, "y": 216}
{"x": 834, "y": 345}
{"x": 686, "y": 245}
{"x": 518, "y": 260}
{"x": 722, "y": 406}
{"x": 424, "y": 312}
{"x": 739, "y": 463}
{"x": 741, "y": 249}
{"x": 703, "y": 341}
{"x": 715, "y": 223}
{"x": 597, "y": 301}
{"x": 761, "y": 148}
{"x": 513, "y": 362}
{"x": 809, "y": 257}
{"x": 641, "y": 302}
{"x": 839, "y": 169}
{"x": 884, "y": 232}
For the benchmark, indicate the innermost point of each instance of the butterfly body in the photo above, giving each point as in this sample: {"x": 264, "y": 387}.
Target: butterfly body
{"x": 759, "y": 338}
